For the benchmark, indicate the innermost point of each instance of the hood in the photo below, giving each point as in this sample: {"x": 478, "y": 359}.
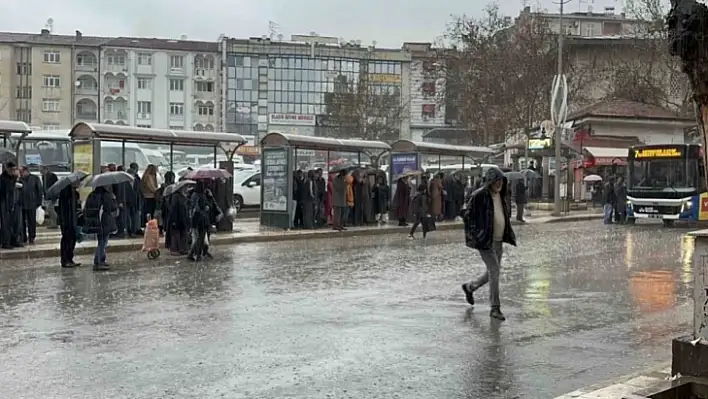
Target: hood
{"x": 494, "y": 174}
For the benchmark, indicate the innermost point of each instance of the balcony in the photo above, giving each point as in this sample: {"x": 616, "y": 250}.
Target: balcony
{"x": 86, "y": 86}
{"x": 204, "y": 74}
{"x": 86, "y": 61}
{"x": 86, "y": 110}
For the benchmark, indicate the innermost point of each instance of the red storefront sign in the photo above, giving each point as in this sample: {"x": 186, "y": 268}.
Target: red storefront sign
{"x": 591, "y": 162}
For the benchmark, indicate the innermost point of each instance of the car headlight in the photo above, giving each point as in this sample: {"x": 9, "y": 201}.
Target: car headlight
{"x": 629, "y": 204}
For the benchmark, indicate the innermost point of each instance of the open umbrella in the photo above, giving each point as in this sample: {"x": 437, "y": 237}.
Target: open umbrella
{"x": 64, "y": 182}
{"x": 514, "y": 175}
{"x": 110, "y": 178}
{"x": 409, "y": 173}
{"x": 592, "y": 178}
{"x": 173, "y": 188}
{"x": 530, "y": 174}
{"x": 208, "y": 174}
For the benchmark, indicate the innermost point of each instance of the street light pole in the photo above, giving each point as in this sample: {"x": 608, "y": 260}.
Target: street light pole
{"x": 559, "y": 112}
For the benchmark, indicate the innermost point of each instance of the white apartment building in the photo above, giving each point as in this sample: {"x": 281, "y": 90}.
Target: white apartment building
{"x": 588, "y": 23}
{"x": 157, "y": 83}
{"x": 427, "y": 112}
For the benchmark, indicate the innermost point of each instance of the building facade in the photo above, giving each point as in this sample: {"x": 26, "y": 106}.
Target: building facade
{"x": 426, "y": 111}
{"x": 295, "y": 86}
{"x": 588, "y": 23}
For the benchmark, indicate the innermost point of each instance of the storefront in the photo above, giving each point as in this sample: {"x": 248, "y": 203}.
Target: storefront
{"x": 605, "y": 162}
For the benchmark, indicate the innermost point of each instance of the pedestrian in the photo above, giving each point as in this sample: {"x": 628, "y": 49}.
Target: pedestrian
{"x": 308, "y": 197}
{"x": 165, "y": 207}
{"x": 149, "y": 189}
{"x": 621, "y": 201}
{"x": 608, "y": 200}
{"x": 18, "y": 228}
{"x": 100, "y": 214}
{"x": 339, "y": 200}
{"x": 48, "y": 179}
{"x": 32, "y": 196}
{"x": 133, "y": 202}
{"x": 215, "y": 216}
{"x": 436, "y": 195}
{"x": 421, "y": 211}
{"x": 487, "y": 227}
{"x": 401, "y": 200}
{"x": 199, "y": 216}
{"x": 382, "y": 193}
{"x": 321, "y": 185}
{"x": 520, "y": 197}
{"x": 179, "y": 222}
{"x": 8, "y": 190}
{"x": 349, "y": 220}
{"x": 68, "y": 221}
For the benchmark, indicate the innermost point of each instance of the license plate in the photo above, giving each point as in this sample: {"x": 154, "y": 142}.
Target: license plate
{"x": 654, "y": 216}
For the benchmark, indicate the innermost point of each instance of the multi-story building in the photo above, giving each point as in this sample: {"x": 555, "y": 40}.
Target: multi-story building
{"x": 42, "y": 75}
{"x": 167, "y": 84}
{"x": 285, "y": 86}
{"x": 589, "y": 23}
{"x": 427, "y": 112}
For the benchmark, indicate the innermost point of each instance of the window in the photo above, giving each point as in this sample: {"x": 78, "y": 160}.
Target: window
{"x": 51, "y": 57}
{"x": 144, "y": 107}
{"x": 589, "y": 30}
{"x": 205, "y": 86}
{"x": 52, "y": 81}
{"x": 115, "y": 59}
{"x": 109, "y": 108}
{"x": 24, "y": 92}
{"x": 204, "y": 62}
{"x": 113, "y": 153}
{"x": 50, "y": 105}
{"x": 144, "y": 59}
{"x": 176, "y": 84}
{"x": 204, "y": 109}
{"x": 50, "y": 126}
{"x": 24, "y": 68}
{"x": 176, "y": 109}
{"x": 145, "y": 126}
{"x": 429, "y": 88}
{"x": 428, "y": 111}
{"x": 144, "y": 83}
{"x": 84, "y": 59}
{"x": 176, "y": 127}
{"x": 53, "y": 153}
{"x": 176, "y": 61}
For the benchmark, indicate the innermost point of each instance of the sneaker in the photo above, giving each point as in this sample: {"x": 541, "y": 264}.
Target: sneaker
{"x": 469, "y": 294}
{"x": 495, "y": 313}
{"x": 410, "y": 236}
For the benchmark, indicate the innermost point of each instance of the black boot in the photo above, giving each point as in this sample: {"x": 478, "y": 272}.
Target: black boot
{"x": 469, "y": 293}
{"x": 496, "y": 313}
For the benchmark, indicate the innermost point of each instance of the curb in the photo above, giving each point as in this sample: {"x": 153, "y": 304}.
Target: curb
{"x": 649, "y": 376}
{"x": 135, "y": 246}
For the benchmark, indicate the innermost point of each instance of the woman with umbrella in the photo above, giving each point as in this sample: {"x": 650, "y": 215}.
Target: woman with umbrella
{"x": 199, "y": 213}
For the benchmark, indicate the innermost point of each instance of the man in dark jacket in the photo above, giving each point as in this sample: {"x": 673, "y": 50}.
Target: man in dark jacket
{"x": 520, "y": 197}
{"x": 321, "y": 184}
{"x": 7, "y": 207}
{"x": 608, "y": 200}
{"x": 487, "y": 227}
{"x": 32, "y": 195}
{"x": 68, "y": 220}
{"x": 133, "y": 202}
{"x": 339, "y": 200}
{"x": 48, "y": 180}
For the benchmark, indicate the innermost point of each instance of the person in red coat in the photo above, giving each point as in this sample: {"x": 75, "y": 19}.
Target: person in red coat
{"x": 401, "y": 200}
{"x": 328, "y": 198}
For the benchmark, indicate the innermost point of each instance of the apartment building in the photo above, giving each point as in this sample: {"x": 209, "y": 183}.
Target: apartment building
{"x": 54, "y": 81}
{"x": 588, "y": 23}
{"x": 39, "y": 76}
{"x": 285, "y": 86}
{"x": 166, "y": 84}
{"x": 427, "y": 112}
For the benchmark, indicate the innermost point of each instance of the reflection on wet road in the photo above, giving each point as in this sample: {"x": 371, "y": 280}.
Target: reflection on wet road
{"x": 368, "y": 317}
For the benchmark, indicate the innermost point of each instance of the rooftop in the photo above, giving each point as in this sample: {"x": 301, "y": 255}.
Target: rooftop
{"x": 628, "y": 110}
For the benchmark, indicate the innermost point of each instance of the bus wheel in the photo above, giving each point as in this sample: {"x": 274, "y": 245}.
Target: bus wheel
{"x": 668, "y": 223}
{"x": 631, "y": 220}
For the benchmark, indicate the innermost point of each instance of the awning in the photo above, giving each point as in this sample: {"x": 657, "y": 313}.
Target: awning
{"x": 603, "y": 156}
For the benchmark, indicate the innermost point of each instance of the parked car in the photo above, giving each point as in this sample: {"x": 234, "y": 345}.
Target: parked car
{"x": 247, "y": 189}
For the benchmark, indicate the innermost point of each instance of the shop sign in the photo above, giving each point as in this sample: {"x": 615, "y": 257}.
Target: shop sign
{"x": 540, "y": 144}
{"x": 291, "y": 119}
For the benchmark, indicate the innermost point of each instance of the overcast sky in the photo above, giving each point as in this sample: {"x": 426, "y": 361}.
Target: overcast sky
{"x": 388, "y": 22}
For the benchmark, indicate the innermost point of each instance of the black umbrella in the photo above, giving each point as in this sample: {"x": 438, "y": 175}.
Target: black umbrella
{"x": 64, "y": 182}
{"x": 173, "y": 188}
{"x": 7, "y": 156}
{"x": 110, "y": 178}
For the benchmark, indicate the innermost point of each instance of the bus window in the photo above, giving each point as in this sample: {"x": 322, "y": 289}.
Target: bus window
{"x": 56, "y": 155}
{"x": 115, "y": 155}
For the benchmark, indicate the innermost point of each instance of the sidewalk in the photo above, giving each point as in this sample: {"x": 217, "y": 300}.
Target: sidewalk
{"x": 635, "y": 386}
{"x": 47, "y": 244}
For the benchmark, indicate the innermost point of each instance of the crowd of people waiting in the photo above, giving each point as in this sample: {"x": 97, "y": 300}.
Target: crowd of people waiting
{"x": 115, "y": 211}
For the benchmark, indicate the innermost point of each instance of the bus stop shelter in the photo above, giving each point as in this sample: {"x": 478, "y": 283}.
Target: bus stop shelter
{"x": 407, "y": 155}
{"x": 87, "y": 138}
{"x": 7, "y": 128}
{"x": 279, "y": 160}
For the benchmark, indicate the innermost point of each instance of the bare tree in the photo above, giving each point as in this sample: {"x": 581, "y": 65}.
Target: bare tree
{"x": 497, "y": 73}
{"x": 364, "y": 109}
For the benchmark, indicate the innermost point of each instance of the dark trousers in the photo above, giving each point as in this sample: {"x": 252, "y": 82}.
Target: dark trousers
{"x": 178, "y": 240}
{"x": 149, "y": 205}
{"x": 520, "y": 212}
{"x": 29, "y": 222}
{"x": 299, "y": 217}
{"x": 8, "y": 231}
{"x": 339, "y": 216}
{"x": 122, "y": 221}
{"x": 415, "y": 227}
{"x": 67, "y": 244}
{"x": 308, "y": 215}
{"x": 198, "y": 238}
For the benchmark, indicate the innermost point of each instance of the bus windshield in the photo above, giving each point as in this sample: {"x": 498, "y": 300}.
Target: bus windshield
{"x": 54, "y": 154}
{"x": 662, "y": 173}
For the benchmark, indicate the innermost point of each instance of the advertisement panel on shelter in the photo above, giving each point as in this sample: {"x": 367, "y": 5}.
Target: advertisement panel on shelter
{"x": 402, "y": 163}
{"x": 275, "y": 179}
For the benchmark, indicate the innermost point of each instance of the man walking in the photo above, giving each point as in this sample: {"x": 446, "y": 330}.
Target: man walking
{"x": 48, "y": 179}
{"x": 487, "y": 227}
{"x": 520, "y": 196}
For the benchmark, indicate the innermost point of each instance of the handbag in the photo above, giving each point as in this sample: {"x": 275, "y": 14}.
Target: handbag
{"x": 428, "y": 223}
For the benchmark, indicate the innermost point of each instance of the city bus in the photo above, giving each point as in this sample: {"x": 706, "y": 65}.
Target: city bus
{"x": 666, "y": 182}
{"x": 44, "y": 148}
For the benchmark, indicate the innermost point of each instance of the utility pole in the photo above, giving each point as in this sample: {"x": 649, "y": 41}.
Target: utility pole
{"x": 559, "y": 112}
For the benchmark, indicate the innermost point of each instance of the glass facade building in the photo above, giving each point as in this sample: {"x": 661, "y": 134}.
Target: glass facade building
{"x": 266, "y": 79}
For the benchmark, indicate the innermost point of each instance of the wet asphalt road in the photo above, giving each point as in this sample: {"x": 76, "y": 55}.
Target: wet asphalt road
{"x": 371, "y": 317}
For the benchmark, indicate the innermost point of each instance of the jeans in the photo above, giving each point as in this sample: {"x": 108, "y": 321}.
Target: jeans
{"x": 340, "y": 215}
{"x": 133, "y": 220}
{"x": 99, "y": 256}
{"x": 492, "y": 260}
{"x": 607, "y": 213}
